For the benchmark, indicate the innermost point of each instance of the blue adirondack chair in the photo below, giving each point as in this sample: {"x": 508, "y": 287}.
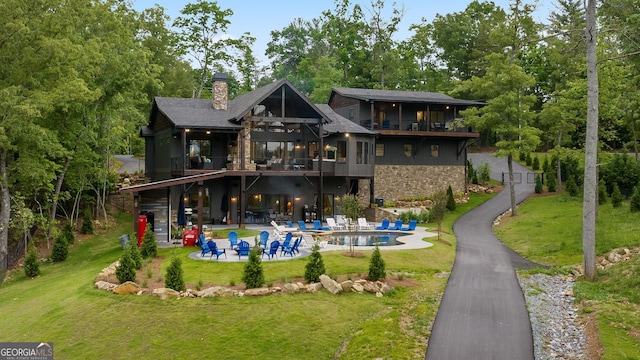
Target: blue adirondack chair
{"x": 291, "y": 250}
{"x": 233, "y": 240}
{"x": 411, "y": 227}
{"x": 317, "y": 225}
{"x": 205, "y": 248}
{"x": 384, "y": 225}
{"x": 287, "y": 240}
{"x": 273, "y": 249}
{"x": 397, "y": 226}
{"x": 201, "y": 241}
{"x": 213, "y": 249}
{"x": 264, "y": 237}
{"x": 296, "y": 245}
{"x": 243, "y": 249}
{"x": 302, "y": 226}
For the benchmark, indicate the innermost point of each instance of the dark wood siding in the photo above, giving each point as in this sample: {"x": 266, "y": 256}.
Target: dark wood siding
{"x": 421, "y": 148}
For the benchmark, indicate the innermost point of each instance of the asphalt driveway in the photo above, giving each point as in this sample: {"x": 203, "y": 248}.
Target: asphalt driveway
{"x": 482, "y": 314}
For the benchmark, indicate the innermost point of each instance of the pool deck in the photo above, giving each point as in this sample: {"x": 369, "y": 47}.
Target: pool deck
{"x": 411, "y": 241}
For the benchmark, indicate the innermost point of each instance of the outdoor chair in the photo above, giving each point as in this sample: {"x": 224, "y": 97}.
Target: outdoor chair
{"x": 291, "y": 250}
{"x": 296, "y": 245}
{"x": 384, "y": 225}
{"x": 201, "y": 241}
{"x": 289, "y": 224}
{"x": 363, "y": 224}
{"x": 273, "y": 249}
{"x": 233, "y": 240}
{"x": 332, "y": 224}
{"x": 287, "y": 240}
{"x": 397, "y": 226}
{"x": 317, "y": 225}
{"x": 411, "y": 227}
{"x": 213, "y": 249}
{"x": 205, "y": 249}
{"x": 302, "y": 226}
{"x": 264, "y": 237}
{"x": 243, "y": 249}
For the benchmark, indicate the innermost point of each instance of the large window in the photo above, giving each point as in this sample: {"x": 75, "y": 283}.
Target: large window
{"x": 266, "y": 150}
{"x": 342, "y": 152}
{"x": 362, "y": 152}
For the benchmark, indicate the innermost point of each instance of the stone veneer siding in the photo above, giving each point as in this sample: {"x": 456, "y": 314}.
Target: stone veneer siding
{"x": 396, "y": 182}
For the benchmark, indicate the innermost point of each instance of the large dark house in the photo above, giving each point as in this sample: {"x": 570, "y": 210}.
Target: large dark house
{"x": 270, "y": 154}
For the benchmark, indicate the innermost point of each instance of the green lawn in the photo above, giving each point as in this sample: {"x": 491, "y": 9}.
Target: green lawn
{"x": 548, "y": 230}
{"x": 63, "y": 306}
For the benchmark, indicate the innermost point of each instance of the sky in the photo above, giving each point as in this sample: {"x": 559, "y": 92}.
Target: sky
{"x": 260, "y": 17}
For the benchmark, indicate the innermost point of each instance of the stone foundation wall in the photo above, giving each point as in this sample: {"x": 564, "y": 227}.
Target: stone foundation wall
{"x": 395, "y": 182}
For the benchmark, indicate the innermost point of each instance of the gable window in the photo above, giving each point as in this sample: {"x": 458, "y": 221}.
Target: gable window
{"x": 342, "y": 152}
{"x": 435, "y": 149}
{"x": 379, "y": 149}
{"x": 408, "y": 150}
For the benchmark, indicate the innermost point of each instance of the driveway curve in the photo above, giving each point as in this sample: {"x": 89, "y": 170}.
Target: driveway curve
{"x": 482, "y": 314}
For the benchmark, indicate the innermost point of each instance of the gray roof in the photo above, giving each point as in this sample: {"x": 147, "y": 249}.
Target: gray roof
{"x": 339, "y": 124}
{"x": 403, "y": 96}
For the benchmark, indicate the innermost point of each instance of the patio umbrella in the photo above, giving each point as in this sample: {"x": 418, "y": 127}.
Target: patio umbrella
{"x": 182, "y": 218}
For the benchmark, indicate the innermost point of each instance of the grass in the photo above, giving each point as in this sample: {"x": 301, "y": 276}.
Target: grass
{"x": 62, "y": 305}
{"x": 548, "y": 230}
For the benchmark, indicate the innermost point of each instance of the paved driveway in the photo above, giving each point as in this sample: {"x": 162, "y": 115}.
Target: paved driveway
{"x": 482, "y": 314}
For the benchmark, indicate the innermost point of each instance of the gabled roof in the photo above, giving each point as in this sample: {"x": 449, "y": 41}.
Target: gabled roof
{"x": 401, "y": 96}
{"x": 339, "y": 124}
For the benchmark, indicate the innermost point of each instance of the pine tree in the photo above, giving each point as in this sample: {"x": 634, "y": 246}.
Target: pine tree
{"x": 126, "y": 271}
{"x": 616, "y": 196}
{"x": 376, "y": 266}
{"x": 315, "y": 266}
{"x": 634, "y": 203}
{"x": 470, "y": 171}
{"x": 571, "y": 186}
{"x": 60, "y": 249}
{"x": 135, "y": 255}
{"x": 149, "y": 247}
{"x": 174, "y": 278}
{"x": 31, "y": 263}
{"x": 536, "y": 163}
{"x": 552, "y": 186}
{"x": 451, "y": 202}
{"x": 602, "y": 192}
{"x": 87, "y": 222}
{"x": 538, "y": 188}
{"x": 545, "y": 164}
{"x": 68, "y": 233}
{"x": 253, "y": 276}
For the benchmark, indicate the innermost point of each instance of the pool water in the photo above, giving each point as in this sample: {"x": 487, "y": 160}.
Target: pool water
{"x": 367, "y": 238}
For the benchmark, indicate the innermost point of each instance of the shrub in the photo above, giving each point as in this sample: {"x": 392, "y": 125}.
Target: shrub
{"x": 475, "y": 178}
{"x": 470, "y": 171}
{"x": 60, "y": 249}
{"x": 69, "y": 233}
{"x": 31, "y": 264}
{"x": 484, "y": 173}
{"x": 546, "y": 165}
{"x": 315, "y": 266}
{"x": 621, "y": 170}
{"x": 149, "y": 247}
{"x": 522, "y": 156}
{"x": 602, "y": 192}
{"x": 634, "y": 203}
{"x": 536, "y": 163}
{"x": 174, "y": 276}
{"x": 87, "y": 222}
{"x": 552, "y": 185}
{"x": 538, "y": 188}
{"x": 376, "y": 266}
{"x": 528, "y": 159}
{"x": 451, "y": 202}
{"x": 253, "y": 275}
{"x": 616, "y": 196}
{"x": 571, "y": 186}
{"x": 126, "y": 271}
{"x": 135, "y": 255}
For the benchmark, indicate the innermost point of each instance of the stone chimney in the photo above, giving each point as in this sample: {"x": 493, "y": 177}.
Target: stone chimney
{"x": 219, "y": 91}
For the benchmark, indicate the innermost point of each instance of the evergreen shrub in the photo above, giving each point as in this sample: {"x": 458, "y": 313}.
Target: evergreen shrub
{"x": 174, "y": 278}
{"x": 552, "y": 185}
{"x": 315, "y": 266}
{"x": 126, "y": 271}
{"x": 60, "y": 250}
{"x": 616, "y": 196}
{"x": 536, "y": 163}
{"x": 135, "y": 255}
{"x": 634, "y": 203}
{"x": 376, "y": 266}
{"x": 87, "y": 222}
{"x": 149, "y": 247}
{"x": 571, "y": 186}
{"x": 484, "y": 173}
{"x": 69, "y": 233}
{"x": 602, "y": 192}
{"x": 538, "y": 188}
{"x": 31, "y": 263}
{"x": 253, "y": 276}
{"x": 451, "y": 202}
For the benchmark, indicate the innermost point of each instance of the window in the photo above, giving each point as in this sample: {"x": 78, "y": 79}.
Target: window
{"x": 266, "y": 150}
{"x": 379, "y": 149}
{"x": 359, "y": 152}
{"x": 366, "y": 152}
{"x": 408, "y": 150}
{"x": 351, "y": 114}
{"x": 342, "y": 152}
{"x": 435, "y": 150}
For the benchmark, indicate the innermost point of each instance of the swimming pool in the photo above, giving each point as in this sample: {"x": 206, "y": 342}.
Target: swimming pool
{"x": 360, "y": 238}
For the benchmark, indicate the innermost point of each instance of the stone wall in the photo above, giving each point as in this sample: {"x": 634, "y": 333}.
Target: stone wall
{"x": 395, "y": 182}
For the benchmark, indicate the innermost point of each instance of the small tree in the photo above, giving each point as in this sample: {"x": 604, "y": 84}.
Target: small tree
{"x": 174, "y": 276}
{"x": 87, "y": 222}
{"x": 253, "y": 275}
{"x": 31, "y": 263}
{"x": 552, "y": 185}
{"x": 484, "y": 173}
{"x": 135, "y": 255}
{"x": 149, "y": 247}
{"x": 528, "y": 160}
{"x": 60, "y": 249}
{"x": 571, "y": 186}
{"x": 451, "y": 202}
{"x": 350, "y": 208}
{"x": 126, "y": 271}
{"x": 376, "y": 266}
{"x": 538, "y": 188}
{"x": 602, "y": 192}
{"x": 438, "y": 209}
{"x": 616, "y": 196}
{"x": 545, "y": 165}
{"x": 315, "y": 266}
{"x": 69, "y": 233}
{"x": 634, "y": 203}
{"x": 471, "y": 173}
{"x": 536, "y": 163}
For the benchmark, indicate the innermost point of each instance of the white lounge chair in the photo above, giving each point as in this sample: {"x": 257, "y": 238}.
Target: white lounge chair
{"x": 363, "y": 224}
{"x": 280, "y": 232}
{"x": 333, "y": 225}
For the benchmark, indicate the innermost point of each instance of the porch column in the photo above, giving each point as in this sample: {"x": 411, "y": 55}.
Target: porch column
{"x": 200, "y": 205}
{"x": 243, "y": 201}
{"x": 373, "y": 114}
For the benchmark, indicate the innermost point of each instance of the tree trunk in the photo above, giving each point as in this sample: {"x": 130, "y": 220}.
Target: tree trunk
{"x": 56, "y": 194}
{"x": 512, "y": 185}
{"x": 5, "y": 209}
{"x": 559, "y": 165}
{"x": 591, "y": 148}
